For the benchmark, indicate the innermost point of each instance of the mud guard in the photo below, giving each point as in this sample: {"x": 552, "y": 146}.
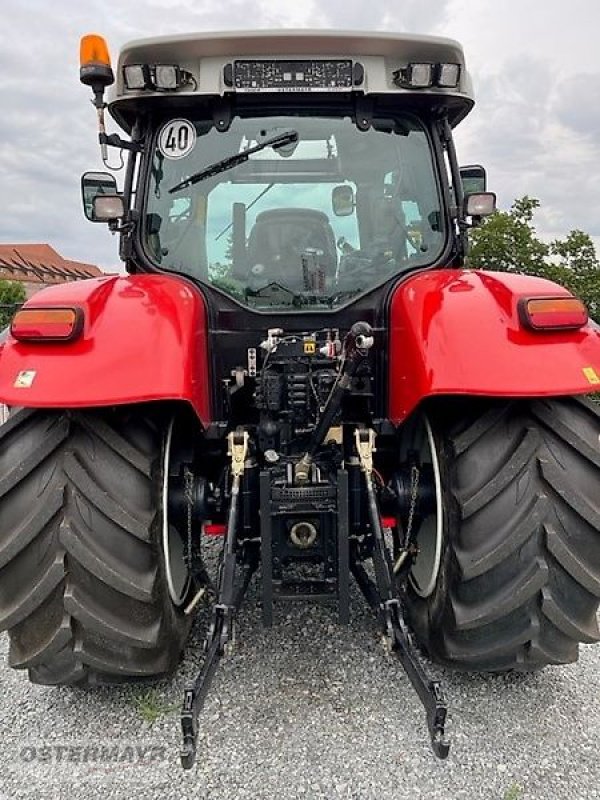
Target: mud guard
{"x": 456, "y": 332}
{"x": 144, "y": 338}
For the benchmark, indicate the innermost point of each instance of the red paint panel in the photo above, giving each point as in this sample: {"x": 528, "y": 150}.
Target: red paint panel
{"x": 144, "y": 338}
{"x": 459, "y": 332}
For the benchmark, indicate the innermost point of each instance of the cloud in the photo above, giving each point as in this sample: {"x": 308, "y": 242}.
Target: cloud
{"x": 576, "y": 104}
{"x": 414, "y": 16}
{"x": 536, "y": 70}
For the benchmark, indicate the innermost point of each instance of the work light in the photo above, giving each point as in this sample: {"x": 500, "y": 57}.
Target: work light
{"x": 448, "y": 75}
{"x": 155, "y": 77}
{"x": 415, "y": 76}
{"x": 137, "y": 76}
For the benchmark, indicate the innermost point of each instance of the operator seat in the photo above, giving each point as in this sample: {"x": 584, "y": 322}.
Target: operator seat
{"x": 389, "y": 228}
{"x": 278, "y": 239}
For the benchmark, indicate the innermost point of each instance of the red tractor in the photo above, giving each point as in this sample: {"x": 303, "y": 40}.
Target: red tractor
{"x": 299, "y": 362}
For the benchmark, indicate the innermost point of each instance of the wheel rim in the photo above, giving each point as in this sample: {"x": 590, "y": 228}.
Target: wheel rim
{"x": 176, "y": 570}
{"x": 429, "y": 536}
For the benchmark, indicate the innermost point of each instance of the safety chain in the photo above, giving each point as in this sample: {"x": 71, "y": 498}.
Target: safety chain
{"x": 410, "y": 549}
{"x": 415, "y": 476}
{"x": 188, "y": 482}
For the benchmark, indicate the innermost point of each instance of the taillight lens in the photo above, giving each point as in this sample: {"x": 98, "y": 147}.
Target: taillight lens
{"x": 553, "y": 313}
{"x": 47, "y": 324}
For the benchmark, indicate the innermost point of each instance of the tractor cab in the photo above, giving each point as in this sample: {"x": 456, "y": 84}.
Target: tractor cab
{"x": 291, "y": 171}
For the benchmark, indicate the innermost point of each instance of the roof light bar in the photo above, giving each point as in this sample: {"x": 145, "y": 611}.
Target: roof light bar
{"x": 424, "y": 76}
{"x": 553, "y": 313}
{"x": 155, "y": 77}
{"x": 47, "y": 324}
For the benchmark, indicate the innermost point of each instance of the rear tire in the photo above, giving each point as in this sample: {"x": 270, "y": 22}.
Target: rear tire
{"x": 82, "y": 587}
{"x": 519, "y": 582}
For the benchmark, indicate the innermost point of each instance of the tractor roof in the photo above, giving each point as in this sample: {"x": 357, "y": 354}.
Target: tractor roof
{"x": 210, "y": 59}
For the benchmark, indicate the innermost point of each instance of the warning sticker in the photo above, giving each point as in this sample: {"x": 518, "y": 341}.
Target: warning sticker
{"x": 592, "y": 376}
{"x": 177, "y": 138}
{"x": 25, "y": 379}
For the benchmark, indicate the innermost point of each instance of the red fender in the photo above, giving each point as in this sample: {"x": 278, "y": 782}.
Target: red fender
{"x": 144, "y": 338}
{"x": 458, "y": 332}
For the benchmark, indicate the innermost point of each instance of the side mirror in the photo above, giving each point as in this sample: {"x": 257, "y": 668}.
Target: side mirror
{"x": 480, "y": 204}
{"x": 473, "y": 179}
{"x": 342, "y": 200}
{"x": 93, "y": 185}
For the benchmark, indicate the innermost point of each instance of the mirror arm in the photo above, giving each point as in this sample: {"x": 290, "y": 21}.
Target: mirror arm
{"x": 125, "y": 225}
{"x": 114, "y": 140}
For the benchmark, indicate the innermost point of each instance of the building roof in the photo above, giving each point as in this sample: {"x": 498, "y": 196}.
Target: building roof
{"x": 40, "y": 263}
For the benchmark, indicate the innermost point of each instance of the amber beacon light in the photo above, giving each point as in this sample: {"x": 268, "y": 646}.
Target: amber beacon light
{"x": 94, "y": 58}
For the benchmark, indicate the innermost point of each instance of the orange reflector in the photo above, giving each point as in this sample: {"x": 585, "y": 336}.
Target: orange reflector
{"x": 46, "y": 324}
{"x": 93, "y": 50}
{"x": 554, "y": 313}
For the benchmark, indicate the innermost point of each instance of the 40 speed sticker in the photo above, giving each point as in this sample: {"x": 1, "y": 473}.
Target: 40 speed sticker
{"x": 177, "y": 138}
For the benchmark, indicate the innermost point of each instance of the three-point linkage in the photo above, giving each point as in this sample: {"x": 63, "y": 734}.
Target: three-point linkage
{"x": 229, "y": 599}
{"x": 384, "y": 597}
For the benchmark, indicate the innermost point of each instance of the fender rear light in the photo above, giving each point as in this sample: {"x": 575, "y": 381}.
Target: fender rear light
{"x": 47, "y": 324}
{"x": 214, "y": 529}
{"x": 553, "y": 313}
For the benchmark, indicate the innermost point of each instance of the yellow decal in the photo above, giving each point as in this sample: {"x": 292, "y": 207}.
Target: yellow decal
{"x": 25, "y": 379}
{"x": 310, "y": 348}
{"x": 592, "y": 376}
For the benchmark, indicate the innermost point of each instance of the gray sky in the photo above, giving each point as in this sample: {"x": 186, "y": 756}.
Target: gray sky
{"x": 535, "y": 66}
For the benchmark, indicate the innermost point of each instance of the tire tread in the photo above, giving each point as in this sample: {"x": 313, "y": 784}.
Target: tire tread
{"x": 82, "y": 593}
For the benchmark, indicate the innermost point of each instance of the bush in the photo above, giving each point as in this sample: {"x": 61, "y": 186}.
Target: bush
{"x": 12, "y": 295}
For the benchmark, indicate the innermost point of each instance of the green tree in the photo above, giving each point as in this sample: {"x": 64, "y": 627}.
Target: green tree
{"x": 577, "y": 258}
{"x": 507, "y": 241}
{"x": 12, "y": 294}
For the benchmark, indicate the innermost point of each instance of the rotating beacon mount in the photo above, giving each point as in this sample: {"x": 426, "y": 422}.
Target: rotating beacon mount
{"x": 96, "y": 72}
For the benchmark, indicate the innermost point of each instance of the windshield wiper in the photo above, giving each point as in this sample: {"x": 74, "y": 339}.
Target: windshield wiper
{"x": 238, "y": 158}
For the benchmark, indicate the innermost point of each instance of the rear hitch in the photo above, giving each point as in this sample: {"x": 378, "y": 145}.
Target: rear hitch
{"x": 382, "y": 594}
{"x": 383, "y": 597}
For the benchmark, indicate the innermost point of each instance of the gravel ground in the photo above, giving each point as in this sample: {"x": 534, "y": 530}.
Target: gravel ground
{"x": 307, "y": 710}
